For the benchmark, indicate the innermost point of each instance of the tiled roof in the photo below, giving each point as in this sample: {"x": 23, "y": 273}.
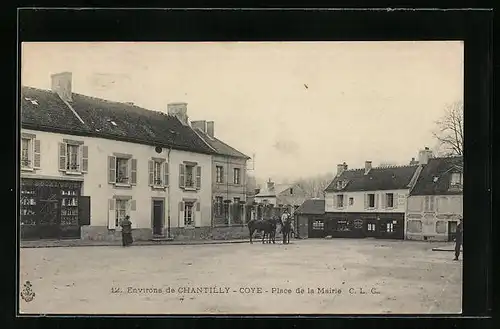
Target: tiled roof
{"x": 44, "y": 110}
{"x": 312, "y": 207}
{"x": 377, "y": 179}
{"x": 220, "y": 147}
{"x": 278, "y": 188}
{"x": 435, "y": 176}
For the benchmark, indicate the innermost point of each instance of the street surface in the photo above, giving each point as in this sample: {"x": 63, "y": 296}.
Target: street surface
{"x": 338, "y": 276}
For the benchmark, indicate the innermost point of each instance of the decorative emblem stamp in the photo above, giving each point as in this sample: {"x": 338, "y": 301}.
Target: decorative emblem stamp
{"x": 27, "y": 293}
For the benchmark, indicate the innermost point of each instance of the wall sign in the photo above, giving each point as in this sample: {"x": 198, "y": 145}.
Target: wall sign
{"x": 358, "y": 223}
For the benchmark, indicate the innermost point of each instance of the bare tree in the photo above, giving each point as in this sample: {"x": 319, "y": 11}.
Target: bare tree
{"x": 314, "y": 186}
{"x": 450, "y": 130}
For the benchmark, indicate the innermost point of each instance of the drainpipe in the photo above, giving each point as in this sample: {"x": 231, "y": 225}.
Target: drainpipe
{"x": 168, "y": 196}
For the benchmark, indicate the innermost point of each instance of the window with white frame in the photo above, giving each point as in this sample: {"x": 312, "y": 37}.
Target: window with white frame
{"x": 371, "y": 200}
{"x": 72, "y": 158}
{"x": 121, "y": 210}
{"x": 122, "y": 170}
{"x": 389, "y": 199}
{"x": 189, "y": 176}
{"x": 340, "y": 200}
{"x": 236, "y": 176}
{"x": 340, "y": 184}
{"x": 157, "y": 173}
{"x": 351, "y": 201}
{"x": 371, "y": 227}
{"x": 429, "y": 203}
{"x": 219, "y": 174}
{"x": 390, "y": 227}
{"x": 26, "y": 153}
{"x": 188, "y": 214}
{"x": 218, "y": 206}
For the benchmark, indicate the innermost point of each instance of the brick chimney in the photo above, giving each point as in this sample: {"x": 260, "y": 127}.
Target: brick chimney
{"x": 179, "y": 110}
{"x": 424, "y": 156}
{"x": 61, "y": 84}
{"x": 341, "y": 168}
{"x": 368, "y": 167}
{"x": 270, "y": 184}
{"x": 200, "y": 124}
{"x": 413, "y": 162}
{"x": 210, "y": 128}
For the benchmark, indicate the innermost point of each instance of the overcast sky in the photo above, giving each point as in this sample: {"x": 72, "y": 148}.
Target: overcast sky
{"x": 373, "y": 101}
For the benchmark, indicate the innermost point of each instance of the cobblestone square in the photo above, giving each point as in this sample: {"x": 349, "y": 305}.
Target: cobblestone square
{"x": 328, "y": 276}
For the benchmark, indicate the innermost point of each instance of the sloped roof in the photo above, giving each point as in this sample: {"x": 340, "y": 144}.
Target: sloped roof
{"x": 44, "y": 110}
{"x": 377, "y": 179}
{"x": 278, "y": 188}
{"x": 312, "y": 207}
{"x": 220, "y": 147}
{"x": 435, "y": 176}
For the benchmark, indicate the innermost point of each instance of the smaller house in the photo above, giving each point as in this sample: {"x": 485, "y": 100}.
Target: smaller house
{"x": 278, "y": 196}
{"x": 436, "y": 202}
{"x": 309, "y": 219}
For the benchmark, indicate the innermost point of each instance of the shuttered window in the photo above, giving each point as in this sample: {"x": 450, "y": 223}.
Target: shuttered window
{"x": 189, "y": 176}
{"x": 73, "y": 157}
{"x": 122, "y": 170}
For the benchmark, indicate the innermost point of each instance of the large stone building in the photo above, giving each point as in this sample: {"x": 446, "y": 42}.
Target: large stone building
{"x": 87, "y": 162}
{"x": 229, "y": 182}
{"x": 436, "y": 202}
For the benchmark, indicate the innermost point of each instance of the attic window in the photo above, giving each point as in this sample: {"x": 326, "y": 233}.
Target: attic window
{"x": 435, "y": 179}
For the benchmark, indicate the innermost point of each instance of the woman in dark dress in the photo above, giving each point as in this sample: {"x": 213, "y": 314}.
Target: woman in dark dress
{"x": 126, "y": 225}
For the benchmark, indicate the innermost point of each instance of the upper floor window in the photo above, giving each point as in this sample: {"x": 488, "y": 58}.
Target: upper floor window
{"x": 189, "y": 176}
{"x": 389, "y": 200}
{"x": 122, "y": 169}
{"x": 351, "y": 201}
{"x": 340, "y": 184}
{"x": 370, "y": 200}
{"x": 456, "y": 180}
{"x": 73, "y": 157}
{"x": 219, "y": 174}
{"x": 30, "y": 152}
{"x": 237, "y": 177}
{"x": 291, "y": 191}
{"x": 429, "y": 203}
{"x": 158, "y": 172}
{"x": 340, "y": 201}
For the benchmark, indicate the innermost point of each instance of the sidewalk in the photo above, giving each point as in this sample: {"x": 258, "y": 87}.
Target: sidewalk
{"x": 88, "y": 243}
{"x": 448, "y": 247}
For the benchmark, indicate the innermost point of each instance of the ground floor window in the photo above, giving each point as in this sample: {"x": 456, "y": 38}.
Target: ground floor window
{"x": 372, "y": 227}
{"x": 318, "y": 225}
{"x": 237, "y": 211}
{"x": 188, "y": 214}
{"x": 441, "y": 227}
{"x": 343, "y": 226}
{"x": 414, "y": 226}
{"x": 121, "y": 211}
{"x": 390, "y": 227}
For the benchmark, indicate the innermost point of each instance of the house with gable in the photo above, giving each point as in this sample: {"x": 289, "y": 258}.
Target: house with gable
{"x": 436, "y": 202}
{"x": 86, "y": 163}
{"x": 274, "y": 198}
{"x": 229, "y": 182}
{"x": 370, "y": 202}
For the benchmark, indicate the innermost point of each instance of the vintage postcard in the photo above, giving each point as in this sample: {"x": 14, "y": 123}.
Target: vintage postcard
{"x": 241, "y": 178}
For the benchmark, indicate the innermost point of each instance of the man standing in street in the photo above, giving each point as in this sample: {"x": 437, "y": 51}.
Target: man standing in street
{"x": 459, "y": 239}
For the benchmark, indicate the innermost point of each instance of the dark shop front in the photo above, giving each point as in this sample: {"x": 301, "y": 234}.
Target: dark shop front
{"x": 52, "y": 209}
{"x": 364, "y": 225}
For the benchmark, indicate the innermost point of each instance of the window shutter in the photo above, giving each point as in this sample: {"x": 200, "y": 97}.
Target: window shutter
{"x": 181, "y": 178}
{"x": 83, "y": 210}
{"x": 62, "y": 156}
{"x": 165, "y": 174}
{"x": 111, "y": 169}
{"x": 376, "y": 200}
{"x": 132, "y": 205}
{"x": 85, "y": 158}
{"x": 133, "y": 171}
{"x": 198, "y": 177}
{"x": 384, "y": 201}
{"x": 222, "y": 179}
{"x": 395, "y": 200}
{"x": 197, "y": 215}
{"x": 111, "y": 214}
{"x": 344, "y": 201}
{"x": 181, "y": 214}
{"x": 36, "y": 152}
{"x": 426, "y": 203}
{"x": 431, "y": 203}
{"x": 151, "y": 167}
{"x": 366, "y": 201}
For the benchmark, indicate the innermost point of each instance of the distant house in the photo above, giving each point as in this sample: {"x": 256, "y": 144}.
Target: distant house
{"x": 282, "y": 196}
{"x": 309, "y": 219}
{"x": 229, "y": 179}
{"x": 87, "y": 162}
{"x": 436, "y": 201}
{"x": 370, "y": 202}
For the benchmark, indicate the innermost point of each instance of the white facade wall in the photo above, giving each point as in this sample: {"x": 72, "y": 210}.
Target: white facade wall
{"x": 358, "y": 201}
{"x": 95, "y": 181}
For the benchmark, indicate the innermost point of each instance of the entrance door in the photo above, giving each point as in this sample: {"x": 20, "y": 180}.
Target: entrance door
{"x": 158, "y": 217}
{"x": 371, "y": 228}
{"x": 452, "y": 231}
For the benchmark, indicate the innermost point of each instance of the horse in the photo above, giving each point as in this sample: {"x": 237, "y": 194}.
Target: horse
{"x": 266, "y": 226}
{"x": 286, "y": 228}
